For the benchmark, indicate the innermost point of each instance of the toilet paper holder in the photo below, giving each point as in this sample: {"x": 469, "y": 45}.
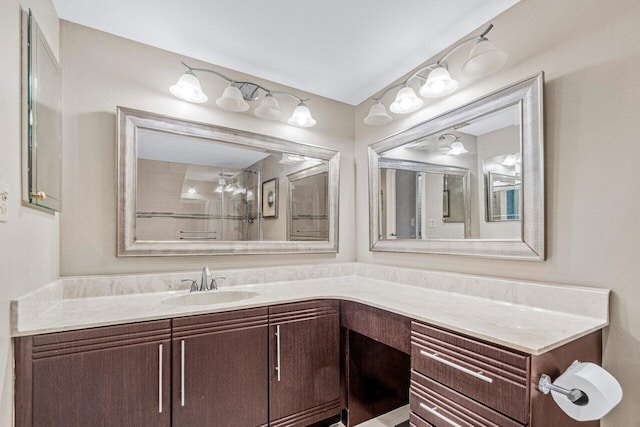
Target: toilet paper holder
{"x": 575, "y": 396}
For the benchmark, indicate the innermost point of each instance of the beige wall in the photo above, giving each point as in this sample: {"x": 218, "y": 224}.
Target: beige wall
{"x": 29, "y": 241}
{"x": 102, "y": 71}
{"x": 590, "y": 53}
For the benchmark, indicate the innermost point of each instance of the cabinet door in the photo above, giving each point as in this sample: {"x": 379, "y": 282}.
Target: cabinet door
{"x": 305, "y": 363}
{"x": 220, "y": 369}
{"x": 113, "y": 376}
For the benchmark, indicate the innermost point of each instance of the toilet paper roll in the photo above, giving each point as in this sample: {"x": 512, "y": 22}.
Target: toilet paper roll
{"x": 601, "y": 387}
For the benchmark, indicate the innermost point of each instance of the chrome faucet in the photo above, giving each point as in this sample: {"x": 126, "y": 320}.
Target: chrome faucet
{"x": 203, "y": 280}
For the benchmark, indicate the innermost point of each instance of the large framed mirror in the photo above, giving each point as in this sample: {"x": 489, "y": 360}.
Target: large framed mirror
{"x": 41, "y": 119}
{"x": 187, "y": 188}
{"x": 469, "y": 182}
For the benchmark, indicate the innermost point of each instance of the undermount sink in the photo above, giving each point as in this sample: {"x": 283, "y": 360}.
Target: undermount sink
{"x": 209, "y": 298}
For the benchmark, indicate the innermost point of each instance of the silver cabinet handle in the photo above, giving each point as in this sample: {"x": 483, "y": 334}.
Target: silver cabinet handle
{"x": 478, "y": 375}
{"x": 160, "y": 379}
{"x": 182, "y": 373}
{"x": 435, "y": 412}
{"x": 278, "y": 351}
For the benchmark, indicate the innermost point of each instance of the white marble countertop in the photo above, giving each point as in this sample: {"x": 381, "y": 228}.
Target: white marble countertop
{"x": 521, "y": 327}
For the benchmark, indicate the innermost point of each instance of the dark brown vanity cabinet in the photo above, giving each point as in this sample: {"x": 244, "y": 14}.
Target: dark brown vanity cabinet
{"x": 461, "y": 381}
{"x": 304, "y": 361}
{"x": 111, "y": 376}
{"x": 219, "y": 369}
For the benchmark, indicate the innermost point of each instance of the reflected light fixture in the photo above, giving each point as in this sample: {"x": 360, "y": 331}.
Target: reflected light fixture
{"x": 484, "y": 58}
{"x": 457, "y": 147}
{"x": 192, "y": 190}
{"x": 509, "y": 160}
{"x": 221, "y": 183}
{"x": 235, "y": 96}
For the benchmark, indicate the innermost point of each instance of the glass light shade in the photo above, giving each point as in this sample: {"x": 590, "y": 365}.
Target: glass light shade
{"x": 406, "y": 101}
{"x": 439, "y": 83}
{"x": 192, "y": 190}
{"x": 509, "y": 160}
{"x": 232, "y": 100}
{"x": 457, "y": 148}
{"x": 269, "y": 108}
{"x": 301, "y": 117}
{"x": 219, "y": 189}
{"x": 484, "y": 58}
{"x": 188, "y": 89}
{"x": 378, "y": 115}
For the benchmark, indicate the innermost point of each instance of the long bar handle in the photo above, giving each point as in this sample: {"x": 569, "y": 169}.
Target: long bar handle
{"x": 278, "y": 351}
{"x": 435, "y": 412}
{"x": 478, "y": 375}
{"x": 182, "y": 373}
{"x": 160, "y": 378}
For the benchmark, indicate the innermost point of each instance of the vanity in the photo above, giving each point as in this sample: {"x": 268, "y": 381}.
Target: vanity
{"x": 297, "y": 352}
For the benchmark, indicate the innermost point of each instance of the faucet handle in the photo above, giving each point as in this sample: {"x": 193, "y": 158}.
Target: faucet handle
{"x": 214, "y": 282}
{"x": 194, "y": 284}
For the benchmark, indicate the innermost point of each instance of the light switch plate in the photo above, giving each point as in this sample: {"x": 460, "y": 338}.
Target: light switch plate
{"x": 4, "y": 202}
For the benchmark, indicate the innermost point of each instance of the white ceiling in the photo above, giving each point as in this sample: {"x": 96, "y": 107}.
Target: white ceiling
{"x": 345, "y": 50}
{"x": 492, "y": 122}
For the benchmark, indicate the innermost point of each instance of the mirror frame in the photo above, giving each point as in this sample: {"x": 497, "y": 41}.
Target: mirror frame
{"x": 32, "y": 35}
{"x": 531, "y": 246}
{"x": 128, "y": 123}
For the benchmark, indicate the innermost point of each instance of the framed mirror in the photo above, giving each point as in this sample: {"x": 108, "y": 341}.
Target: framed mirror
{"x": 42, "y": 119}
{"x": 187, "y": 188}
{"x": 469, "y": 182}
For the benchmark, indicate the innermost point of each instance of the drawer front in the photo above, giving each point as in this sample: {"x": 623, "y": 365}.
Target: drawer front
{"x": 416, "y": 421}
{"x": 443, "y": 407}
{"x": 489, "y": 374}
{"x": 388, "y": 328}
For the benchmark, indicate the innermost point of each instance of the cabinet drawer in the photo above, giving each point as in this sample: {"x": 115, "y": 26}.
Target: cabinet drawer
{"x": 416, "y": 421}
{"x": 444, "y": 407}
{"x": 489, "y": 374}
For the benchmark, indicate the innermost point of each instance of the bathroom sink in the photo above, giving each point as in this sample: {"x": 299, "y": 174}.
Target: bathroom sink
{"x": 209, "y": 298}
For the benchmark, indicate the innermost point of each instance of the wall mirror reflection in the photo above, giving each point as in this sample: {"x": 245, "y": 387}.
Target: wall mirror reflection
{"x": 308, "y": 204}
{"x": 190, "y": 188}
{"x": 456, "y": 184}
{"x": 42, "y": 119}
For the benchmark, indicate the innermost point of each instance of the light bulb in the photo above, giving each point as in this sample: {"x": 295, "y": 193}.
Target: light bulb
{"x": 301, "y": 117}
{"x": 188, "y": 89}
{"x": 439, "y": 83}
{"x": 406, "y": 101}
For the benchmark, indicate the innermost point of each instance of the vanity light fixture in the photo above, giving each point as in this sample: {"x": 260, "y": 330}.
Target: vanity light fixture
{"x": 235, "y": 97}
{"x": 291, "y": 159}
{"x": 484, "y": 58}
{"x": 457, "y": 147}
{"x": 192, "y": 190}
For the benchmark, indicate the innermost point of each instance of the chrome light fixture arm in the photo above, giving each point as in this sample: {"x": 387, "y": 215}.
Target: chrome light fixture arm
{"x": 438, "y": 63}
{"x": 238, "y": 83}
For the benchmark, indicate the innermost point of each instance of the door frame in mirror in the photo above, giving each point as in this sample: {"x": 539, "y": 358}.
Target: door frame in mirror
{"x": 531, "y": 246}
{"x": 130, "y": 120}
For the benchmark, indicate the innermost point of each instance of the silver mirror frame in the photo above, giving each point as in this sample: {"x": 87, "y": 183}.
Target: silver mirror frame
{"x": 129, "y": 121}
{"x": 529, "y": 95}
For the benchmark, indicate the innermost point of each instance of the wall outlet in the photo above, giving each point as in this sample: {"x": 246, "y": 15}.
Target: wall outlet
{"x": 4, "y": 202}
{"x": 431, "y": 223}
